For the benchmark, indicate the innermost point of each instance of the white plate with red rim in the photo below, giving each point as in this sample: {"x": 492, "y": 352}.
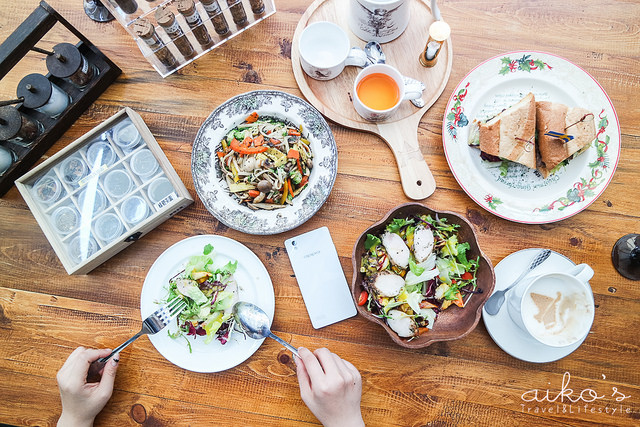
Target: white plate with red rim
{"x": 254, "y": 286}
{"x": 506, "y": 334}
{"x": 522, "y": 195}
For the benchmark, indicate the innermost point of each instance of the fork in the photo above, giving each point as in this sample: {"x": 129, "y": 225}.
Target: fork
{"x": 151, "y": 325}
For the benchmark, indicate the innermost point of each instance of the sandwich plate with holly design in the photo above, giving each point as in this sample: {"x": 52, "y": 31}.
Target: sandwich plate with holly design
{"x": 513, "y": 191}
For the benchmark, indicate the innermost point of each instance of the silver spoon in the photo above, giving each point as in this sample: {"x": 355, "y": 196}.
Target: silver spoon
{"x": 255, "y": 323}
{"x": 493, "y": 304}
{"x": 374, "y": 53}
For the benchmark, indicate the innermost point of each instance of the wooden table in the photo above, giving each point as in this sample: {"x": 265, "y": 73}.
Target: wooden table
{"x": 45, "y": 314}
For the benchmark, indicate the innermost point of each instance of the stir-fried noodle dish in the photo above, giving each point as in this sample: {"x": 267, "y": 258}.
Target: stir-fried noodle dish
{"x": 265, "y": 161}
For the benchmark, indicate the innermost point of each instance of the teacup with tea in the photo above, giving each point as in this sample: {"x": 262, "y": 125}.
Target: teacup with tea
{"x": 555, "y": 309}
{"x": 379, "y": 90}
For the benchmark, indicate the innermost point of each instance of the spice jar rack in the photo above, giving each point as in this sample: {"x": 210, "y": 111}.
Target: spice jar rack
{"x": 194, "y": 34}
{"x": 12, "y": 50}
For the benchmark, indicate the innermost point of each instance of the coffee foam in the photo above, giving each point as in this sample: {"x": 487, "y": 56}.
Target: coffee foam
{"x": 557, "y": 311}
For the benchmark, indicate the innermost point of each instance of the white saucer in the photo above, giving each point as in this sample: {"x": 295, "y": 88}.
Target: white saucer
{"x": 503, "y": 330}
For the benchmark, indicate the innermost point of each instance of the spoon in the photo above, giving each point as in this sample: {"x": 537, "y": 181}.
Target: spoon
{"x": 374, "y": 53}
{"x": 493, "y": 304}
{"x": 255, "y": 323}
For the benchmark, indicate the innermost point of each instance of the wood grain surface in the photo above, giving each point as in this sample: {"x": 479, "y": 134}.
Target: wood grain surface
{"x": 45, "y": 314}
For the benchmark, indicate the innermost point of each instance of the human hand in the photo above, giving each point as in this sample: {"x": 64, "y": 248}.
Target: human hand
{"x": 330, "y": 386}
{"x": 82, "y": 401}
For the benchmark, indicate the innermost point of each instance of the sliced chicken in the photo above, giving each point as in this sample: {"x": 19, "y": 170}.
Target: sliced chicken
{"x": 387, "y": 284}
{"x": 402, "y": 324}
{"x": 397, "y": 249}
{"x": 422, "y": 243}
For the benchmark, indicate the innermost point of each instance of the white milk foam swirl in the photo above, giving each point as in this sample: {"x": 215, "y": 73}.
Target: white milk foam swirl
{"x": 557, "y": 311}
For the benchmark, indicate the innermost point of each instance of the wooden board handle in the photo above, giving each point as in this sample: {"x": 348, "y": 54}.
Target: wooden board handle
{"x": 402, "y": 138}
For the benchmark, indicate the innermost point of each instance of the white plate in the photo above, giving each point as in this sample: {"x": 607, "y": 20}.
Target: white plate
{"x": 523, "y": 195}
{"x": 503, "y": 330}
{"x": 254, "y": 286}
{"x": 212, "y": 188}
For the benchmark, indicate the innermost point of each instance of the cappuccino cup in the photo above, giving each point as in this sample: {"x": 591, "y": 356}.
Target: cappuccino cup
{"x": 555, "y": 309}
{"x": 325, "y": 50}
{"x": 378, "y": 91}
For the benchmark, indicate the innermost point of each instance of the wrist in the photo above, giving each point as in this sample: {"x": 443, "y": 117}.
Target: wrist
{"x": 67, "y": 420}
{"x": 353, "y": 420}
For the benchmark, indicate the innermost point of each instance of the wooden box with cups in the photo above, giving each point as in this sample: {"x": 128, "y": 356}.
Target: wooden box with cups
{"x": 103, "y": 191}
{"x": 173, "y": 33}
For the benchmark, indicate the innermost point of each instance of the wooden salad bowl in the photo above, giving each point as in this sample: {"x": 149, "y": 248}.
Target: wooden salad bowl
{"x": 452, "y": 323}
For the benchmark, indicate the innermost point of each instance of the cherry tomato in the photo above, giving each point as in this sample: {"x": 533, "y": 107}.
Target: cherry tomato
{"x": 466, "y": 276}
{"x": 364, "y": 296}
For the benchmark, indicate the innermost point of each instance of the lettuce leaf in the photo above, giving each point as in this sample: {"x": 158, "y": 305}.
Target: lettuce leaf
{"x": 371, "y": 242}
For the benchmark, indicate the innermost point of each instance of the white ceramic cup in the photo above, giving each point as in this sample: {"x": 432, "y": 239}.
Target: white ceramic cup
{"x": 405, "y": 91}
{"x": 555, "y": 309}
{"x": 378, "y": 20}
{"x": 325, "y": 50}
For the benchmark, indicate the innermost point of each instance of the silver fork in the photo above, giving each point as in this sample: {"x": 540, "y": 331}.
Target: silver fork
{"x": 151, "y": 325}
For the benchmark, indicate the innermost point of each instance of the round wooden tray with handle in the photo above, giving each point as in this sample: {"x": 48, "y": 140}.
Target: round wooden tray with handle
{"x": 333, "y": 98}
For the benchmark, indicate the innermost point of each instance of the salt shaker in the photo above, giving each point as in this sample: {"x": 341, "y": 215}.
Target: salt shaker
{"x": 167, "y": 20}
{"x": 17, "y": 127}
{"x": 42, "y": 95}
{"x": 188, "y": 9}
{"x": 439, "y": 31}
{"x": 146, "y": 31}
{"x": 217, "y": 17}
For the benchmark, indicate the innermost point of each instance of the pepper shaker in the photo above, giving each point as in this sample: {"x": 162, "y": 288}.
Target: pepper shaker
{"x": 17, "y": 127}
{"x": 237, "y": 12}
{"x": 67, "y": 62}
{"x": 167, "y": 20}
{"x": 42, "y": 95}
{"x": 188, "y": 9}
{"x": 145, "y": 30}
{"x": 217, "y": 17}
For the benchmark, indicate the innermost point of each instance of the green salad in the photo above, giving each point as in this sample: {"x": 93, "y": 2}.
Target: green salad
{"x": 414, "y": 270}
{"x": 210, "y": 294}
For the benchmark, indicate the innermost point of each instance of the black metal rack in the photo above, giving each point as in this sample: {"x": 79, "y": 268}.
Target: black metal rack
{"x": 13, "y": 49}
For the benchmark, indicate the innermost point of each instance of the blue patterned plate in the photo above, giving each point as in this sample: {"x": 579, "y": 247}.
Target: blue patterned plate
{"x": 212, "y": 187}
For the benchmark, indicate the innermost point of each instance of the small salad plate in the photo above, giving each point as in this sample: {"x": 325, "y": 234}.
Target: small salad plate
{"x": 212, "y": 187}
{"x": 506, "y": 334}
{"x": 254, "y": 286}
{"x": 513, "y": 191}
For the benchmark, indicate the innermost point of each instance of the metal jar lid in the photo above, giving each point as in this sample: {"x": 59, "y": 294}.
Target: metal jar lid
{"x": 10, "y": 122}
{"x": 66, "y": 61}
{"x": 35, "y": 89}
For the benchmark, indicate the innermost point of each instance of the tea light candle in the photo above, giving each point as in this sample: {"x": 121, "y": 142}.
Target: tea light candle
{"x": 42, "y": 95}
{"x": 18, "y": 128}
{"x": 439, "y": 31}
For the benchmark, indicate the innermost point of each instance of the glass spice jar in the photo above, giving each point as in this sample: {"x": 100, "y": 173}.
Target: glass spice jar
{"x": 257, "y": 6}
{"x": 168, "y": 22}
{"x": 17, "y": 127}
{"x": 41, "y": 94}
{"x": 237, "y": 12}
{"x": 145, "y": 30}
{"x": 188, "y": 9}
{"x": 69, "y": 63}
{"x": 217, "y": 17}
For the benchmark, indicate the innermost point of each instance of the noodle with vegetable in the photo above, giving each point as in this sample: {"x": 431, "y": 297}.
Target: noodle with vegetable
{"x": 266, "y": 162}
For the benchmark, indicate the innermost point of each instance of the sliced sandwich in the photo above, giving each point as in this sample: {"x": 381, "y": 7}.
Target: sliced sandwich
{"x": 511, "y": 134}
{"x": 558, "y": 119}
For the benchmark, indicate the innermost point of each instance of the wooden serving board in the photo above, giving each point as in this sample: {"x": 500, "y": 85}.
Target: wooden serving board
{"x": 333, "y": 97}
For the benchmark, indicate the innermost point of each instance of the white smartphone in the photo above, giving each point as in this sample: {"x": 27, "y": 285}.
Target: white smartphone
{"x": 320, "y": 277}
